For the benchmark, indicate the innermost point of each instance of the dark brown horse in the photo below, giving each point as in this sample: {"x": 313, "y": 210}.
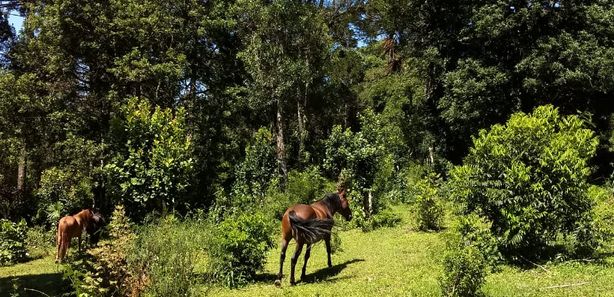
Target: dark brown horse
{"x": 308, "y": 224}
{"x": 86, "y": 220}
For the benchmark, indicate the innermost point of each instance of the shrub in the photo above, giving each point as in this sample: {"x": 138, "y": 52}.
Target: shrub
{"x": 529, "y": 178}
{"x": 103, "y": 271}
{"x": 476, "y": 231}
{"x": 255, "y": 173}
{"x": 385, "y": 218}
{"x": 153, "y": 166}
{"x": 238, "y": 248}
{"x": 603, "y": 211}
{"x": 39, "y": 241}
{"x": 359, "y": 159}
{"x": 12, "y": 242}
{"x": 429, "y": 214}
{"x": 306, "y": 186}
{"x": 464, "y": 272}
{"x": 165, "y": 255}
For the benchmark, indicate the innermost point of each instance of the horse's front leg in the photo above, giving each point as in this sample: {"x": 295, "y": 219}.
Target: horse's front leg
{"x": 297, "y": 253}
{"x": 327, "y": 241}
{"x": 282, "y": 257}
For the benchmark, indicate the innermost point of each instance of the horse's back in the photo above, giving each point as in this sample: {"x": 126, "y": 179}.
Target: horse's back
{"x": 69, "y": 225}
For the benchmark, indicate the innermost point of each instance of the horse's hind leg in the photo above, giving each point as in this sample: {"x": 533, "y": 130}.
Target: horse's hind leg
{"x": 328, "y": 251}
{"x": 282, "y": 257}
{"x": 58, "y": 254}
{"x": 297, "y": 253}
{"x": 307, "y": 254}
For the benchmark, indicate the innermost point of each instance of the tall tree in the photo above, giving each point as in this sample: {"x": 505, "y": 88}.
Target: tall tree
{"x": 286, "y": 44}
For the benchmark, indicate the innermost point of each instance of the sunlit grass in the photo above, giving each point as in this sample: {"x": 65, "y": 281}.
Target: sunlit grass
{"x": 398, "y": 261}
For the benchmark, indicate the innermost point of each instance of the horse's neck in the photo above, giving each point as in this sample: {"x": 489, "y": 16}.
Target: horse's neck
{"x": 83, "y": 216}
{"x": 328, "y": 205}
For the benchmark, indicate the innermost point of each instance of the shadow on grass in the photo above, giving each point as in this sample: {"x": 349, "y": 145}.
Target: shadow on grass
{"x": 48, "y": 284}
{"x": 556, "y": 255}
{"x": 328, "y": 273}
{"x": 324, "y": 274}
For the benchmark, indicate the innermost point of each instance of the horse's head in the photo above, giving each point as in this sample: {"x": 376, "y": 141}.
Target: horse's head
{"x": 95, "y": 225}
{"x": 344, "y": 205}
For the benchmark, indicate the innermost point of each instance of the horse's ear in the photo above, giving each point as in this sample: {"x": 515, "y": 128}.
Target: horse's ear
{"x": 341, "y": 192}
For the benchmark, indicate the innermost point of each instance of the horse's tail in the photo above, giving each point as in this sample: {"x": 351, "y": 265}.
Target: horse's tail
{"x": 58, "y": 238}
{"x": 310, "y": 230}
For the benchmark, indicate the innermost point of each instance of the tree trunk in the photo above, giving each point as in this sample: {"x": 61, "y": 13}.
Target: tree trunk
{"x": 302, "y": 132}
{"x": 281, "y": 148}
{"x": 21, "y": 169}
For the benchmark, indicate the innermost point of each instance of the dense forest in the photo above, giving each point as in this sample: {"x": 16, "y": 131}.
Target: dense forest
{"x": 209, "y": 108}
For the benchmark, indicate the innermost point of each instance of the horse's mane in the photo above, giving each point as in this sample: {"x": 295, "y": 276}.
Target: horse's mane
{"x": 332, "y": 200}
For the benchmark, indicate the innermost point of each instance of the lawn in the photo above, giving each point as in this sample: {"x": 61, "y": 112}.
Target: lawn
{"x": 396, "y": 261}
{"x": 31, "y": 277}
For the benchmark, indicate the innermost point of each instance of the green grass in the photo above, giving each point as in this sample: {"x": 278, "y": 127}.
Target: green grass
{"x": 395, "y": 261}
{"x": 385, "y": 262}
{"x": 40, "y": 274}
{"x": 400, "y": 261}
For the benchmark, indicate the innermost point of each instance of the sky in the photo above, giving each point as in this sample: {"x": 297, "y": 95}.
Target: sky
{"x": 16, "y": 21}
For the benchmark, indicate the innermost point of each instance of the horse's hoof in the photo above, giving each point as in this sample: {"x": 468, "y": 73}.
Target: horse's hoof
{"x": 292, "y": 283}
{"x": 278, "y": 283}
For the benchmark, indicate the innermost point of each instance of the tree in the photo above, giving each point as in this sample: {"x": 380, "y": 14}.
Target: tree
{"x": 286, "y": 44}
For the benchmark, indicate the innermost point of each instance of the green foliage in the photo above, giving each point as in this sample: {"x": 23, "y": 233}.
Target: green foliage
{"x": 103, "y": 271}
{"x": 256, "y": 172}
{"x": 464, "y": 272}
{"x": 529, "y": 178}
{"x": 39, "y": 241}
{"x": 239, "y": 247}
{"x": 429, "y": 206}
{"x": 306, "y": 186}
{"x": 358, "y": 158}
{"x": 154, "y": 164}
{"x": 470, "y": 253}
{"x": 473, "y": 230}
{"x": 384, "y": 218}
{"x": 62, "y": 192}
{"x": 603, "y": 212}
{"x": 281, "y": 67}
{"x": 12, "y": 242}
{"x": 165, "y": 254}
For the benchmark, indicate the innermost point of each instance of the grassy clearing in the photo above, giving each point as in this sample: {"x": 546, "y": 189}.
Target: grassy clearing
{"x": 403, "y": 262}
{"x": 395, "y": 261}
{"x": 385, "y": 262}
{"x": 41, "y": 274}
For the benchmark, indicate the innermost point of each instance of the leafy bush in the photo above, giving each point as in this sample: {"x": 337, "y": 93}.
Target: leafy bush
{"x": 603, "y": 212}
{"x": 476, "y": 231}
{"x": 385, "y": 218}
{"x": 154, "y": 165}
{"x": 359, "y": 158}
{"x": 165, "y": 255}
{"x": 238, "y": 248}
{"x": 471, "y": 250}
{"x": 39, "y": 240}
{"x": 529, "y": 178}
{"x": 103, "y": 271}
{"x": 63, "y": 191}
{"x": 429, "y": 214}
{"x": 255, "y": 173}
{"x": 464, "y": 272}
{"x": 306, "y": 186}
{"x": 69, "y": 187}
{"x": 12, "y": 242}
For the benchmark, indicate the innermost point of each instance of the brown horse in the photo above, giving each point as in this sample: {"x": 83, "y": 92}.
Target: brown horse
{"x": 308, "y": 224}
{"x": 86, "y": 220}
